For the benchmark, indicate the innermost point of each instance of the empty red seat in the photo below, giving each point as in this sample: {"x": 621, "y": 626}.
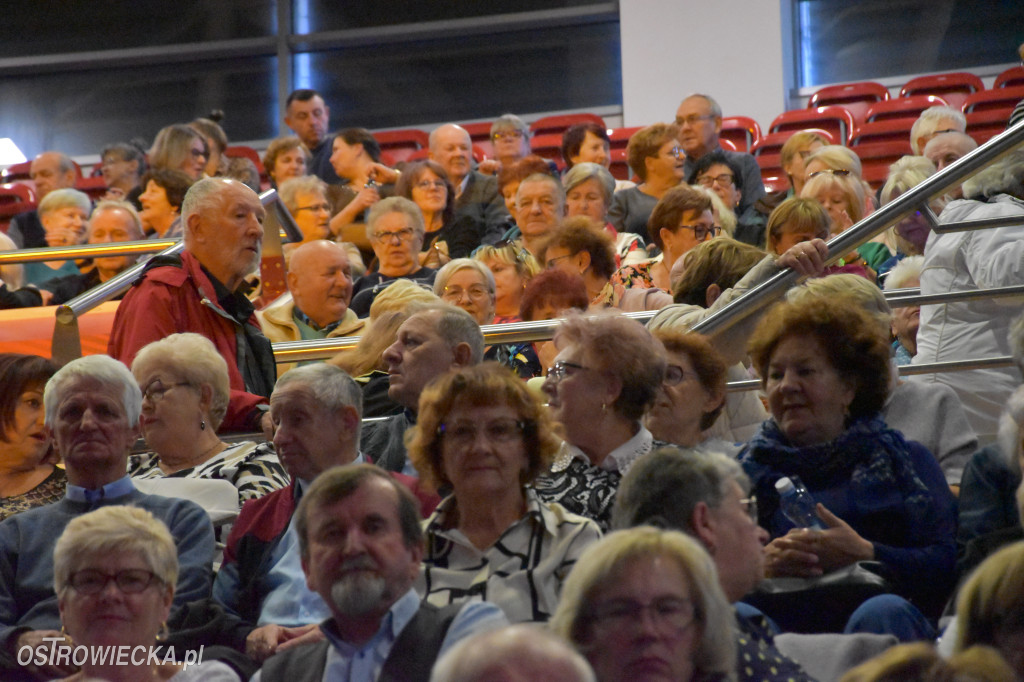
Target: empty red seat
{"x": 876, "y": 157}
{"x": 891, "y": 130}
{"x": 984, "y": 125}
{"x": 619, "y": 167}
{"x": 855, "y": 97}
{"x": 480, "y": 135}
{"x": 1010, "y": 78}
{"x": 559, "y": 124}
{"x": 18, "y": 171}
{"x": 836, "y": 120}
{"x": 772, "y": 142}
{"x": 996, "y": 99}
{"x": 903, "y": 107}
{"x": 742, "y": 131}
{"x": 952, "y": 87}
{"x": 548, "y": 147}
{"x": 400, "y": 144}
{"x": 619, "y": 137}
{"x": 241, "y": 151}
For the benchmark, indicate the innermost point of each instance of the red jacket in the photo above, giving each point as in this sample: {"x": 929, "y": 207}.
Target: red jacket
{"x": 170, "y": 299}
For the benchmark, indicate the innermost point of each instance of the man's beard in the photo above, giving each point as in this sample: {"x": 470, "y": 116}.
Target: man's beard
{"x": 360, "y": 592}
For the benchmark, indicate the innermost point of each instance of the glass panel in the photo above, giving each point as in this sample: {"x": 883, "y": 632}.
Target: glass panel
{"x": 331, "y": 15}
{"x": 475, "y": 77}
{"x": 116, "y": 24}
{"x": 79, "y": 112}
{"x": 843, "y": 41}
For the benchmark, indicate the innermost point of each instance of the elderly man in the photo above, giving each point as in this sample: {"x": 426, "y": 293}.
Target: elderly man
{"x": 309, "y": 118}
{"x": 437, "y": 337}
{"x": 316, "y": 305}
{"x": 540, "y": 206}
{"x": 518, "y": 653}
{"x": 476, "y": 194}
{"x": 92, "y": 414}
{"x": 933, "y": 121}
{"x": 361, "y": 543}
{"x": 700, "y": 120}
{"x": 395, "y": 229}
{"x": 945, "y": 148}
{"x": 201, "y": 291}
{"x": 49, "y": 171}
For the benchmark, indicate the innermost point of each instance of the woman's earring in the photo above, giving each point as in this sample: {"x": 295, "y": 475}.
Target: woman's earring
{"x": 163, "y": 633}
{"x": 202, "y": 424}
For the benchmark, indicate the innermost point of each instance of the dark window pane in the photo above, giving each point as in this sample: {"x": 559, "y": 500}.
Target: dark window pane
{"x": 331, "y": 15}
{"x": 472, "y": 77}
{"x": 79, "y": 112}
{"x": 34, "y": 27}
{"x": 840, "y": 41}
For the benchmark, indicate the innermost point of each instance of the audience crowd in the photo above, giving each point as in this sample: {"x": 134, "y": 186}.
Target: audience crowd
{"x": 597, "y": 506}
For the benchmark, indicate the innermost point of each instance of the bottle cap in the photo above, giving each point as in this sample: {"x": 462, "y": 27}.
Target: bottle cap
{"x": 784, "y": 485}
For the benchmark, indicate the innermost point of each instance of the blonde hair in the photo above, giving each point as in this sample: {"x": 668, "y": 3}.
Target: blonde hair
{"x": 398, "y": 295}
{"x": 992, "y": 600}
{"x": 921, "y": 662}
{"x": 377, "y": 336}
{"x": 837, "y": 157}
{"x": 853, "y": 287}
{"x": 526, "y": 265}
{"x": 851, "y": 187}
{"x": 796, "y": 215}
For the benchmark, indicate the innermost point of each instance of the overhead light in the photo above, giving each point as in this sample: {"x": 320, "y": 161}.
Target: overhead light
{"x": 9, "y": 152}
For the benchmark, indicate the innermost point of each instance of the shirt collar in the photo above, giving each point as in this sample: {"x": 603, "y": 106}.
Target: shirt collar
{"x": 305, "y": 319}
{"x": 397, "y": 617}
{"x": 619, "y": 459}
{"x": 119, "y": 488}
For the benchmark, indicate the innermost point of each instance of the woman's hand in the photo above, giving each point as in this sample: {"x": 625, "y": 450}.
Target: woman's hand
{"x": 808, "y": 553}
{"x": 489, "y": 167}
{"x": 790, "y": 556}
{"x": 381, "y": 174}
{"x": 807, "y": 258}
{"x": 45, "y": 645}
{"x": 367, "y": 197}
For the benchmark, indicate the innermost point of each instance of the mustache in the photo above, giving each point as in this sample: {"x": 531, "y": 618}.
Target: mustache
{"x": 358, "y": 563}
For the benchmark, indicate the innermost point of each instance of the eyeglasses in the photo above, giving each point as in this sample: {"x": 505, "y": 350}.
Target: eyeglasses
{"x": 723, "y": 180}
{"x": 476, "y": 292}
{"x": 674, "y": 375}
{"x": 196, "y": 153}
{"x": 947, "y": 130}
{"x": 154, "y": 393}
{"x": 403, "y": 235}
{"x": 428, "y": 184}
{"x": 692, "y": 120}
{"x": 560, "y": 369}
{"x": 701, "y": 232}
{"x": 463, "y": 434}
{"x": 677, "y": 152}
{"x": 672, "y": 614}
{"x": 552, "y": 262}
{"x": 508, "y": 135}
{"x": 129, "y": 581}
{"x": 841, "y": 172}
{"x": 749, "y": 505}
{"x": 315, "y": 208}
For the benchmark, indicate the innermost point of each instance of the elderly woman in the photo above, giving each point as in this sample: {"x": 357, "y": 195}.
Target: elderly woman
{"x": 28, "y": 477}
{"x": 181, "y": 428}
{"x": 824, "y": 365}
{"x": 844, "y": 198}
{"x": 692, "y": 395}
{"x": 510, "y": 137}
{"x": 182, "y": 148}
{"x": 63, "y": 213}
{"x": 645, "y": 604}
{"x": 680, "y": 221}
{"x": 656, "y": 158}
{"x": 905, "y": 319}
{"x": 604, "y": 378}
{"x": 910, "y": 234}
{"x": 163, "y": 191}
{"x": 468, "y": 284}
{"x": 718, "y": 173}
{"x": 286, "y": 158}
{"x": 305, "y": 198}
{"x": 579, "y": 246}
{"x": 114, "y": 572}
{"x": 482, "y": 435}
{"x": 965, "y": 261}
{"x": 589, "y": 188}
{"x": 395, "y": 230}
{"x": 795, "y": 221}
{"x": 426, "y": 183}
{"x": 551, "y": 293}
{"x": 586, "y": 142}
{"x": 512, "y": 268}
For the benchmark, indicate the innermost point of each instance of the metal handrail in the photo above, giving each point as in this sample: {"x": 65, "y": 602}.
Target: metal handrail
{"x": 73, "y": 251}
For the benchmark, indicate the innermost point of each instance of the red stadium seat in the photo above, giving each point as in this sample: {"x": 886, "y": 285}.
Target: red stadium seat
{"x": 548, "y": 147}
{"x": 984, "y": 125}
{"x": 241, "y": 151}
{"x": 480, "y": 135}
{"x": 996, "y": 99}
{"x": 837, "y": 120}
{"x": 742, "y": 131}
{"x": 952, "y": 87}
{"x": 619, "y": 137}
{"x": 93, "y": 186}
{"x": 856, "y": 97}
{"x": 892, "y": 130}
{"x": 903, "y": 107}
{"x": 774, "y": 179}
{"x": 619, "y": 167}
{"x": 726, "y": 143}
{"x": 876, "y": 157}
{"x": 400, "y": 144}
{"x": 18, "y": 171}
{"x": 1010, "y": 78}
{"x": 559, "y": 124}
{"x": 15, "y": 198}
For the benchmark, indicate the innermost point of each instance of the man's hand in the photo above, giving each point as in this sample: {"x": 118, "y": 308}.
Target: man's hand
{"x": 265, "y": 641}
{"x": 44, "y": 645}
{"x": 381, "y": 174}
{"x": 489, "y": 167}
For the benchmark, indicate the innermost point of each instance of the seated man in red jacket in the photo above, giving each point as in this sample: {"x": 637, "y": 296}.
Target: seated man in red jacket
{"x": 200, "y": 291}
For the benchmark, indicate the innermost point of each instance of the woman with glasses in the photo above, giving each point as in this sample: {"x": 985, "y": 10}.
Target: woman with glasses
{"x": 715, "y": 171}
{"x": 180, "y": 147}
{"x": 646, "y": 604}
{"x": 657, "y": 159}
{"x": 184, "y": 383}
{"x": 605, "y": 376}
{"x": 114, "y": 572}
{"x": 483, "y": 437}
{"x": 580, "y": 247}
{"x": 427, "y": 185}
{"x": 681, "y": 220}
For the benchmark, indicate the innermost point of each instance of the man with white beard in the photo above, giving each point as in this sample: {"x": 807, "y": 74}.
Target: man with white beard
{"x": 361, "y": 543}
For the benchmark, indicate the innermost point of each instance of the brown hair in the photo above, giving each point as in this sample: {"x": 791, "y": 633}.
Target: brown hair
{"x": 175, "y": 184}
{"x": 412, "y": 174}
{"x": 522, "y": 169}
{"x": 556, "y": 285}
{"x": 721, "y": 261}
{"x": 797, "y": 215}
{"x": 669, "y": 210}
{"x": 20, "y": 373}
{"x": 581, "y": 233}
{"x": 646, "y": 142}
{"x": 707, "y": 362}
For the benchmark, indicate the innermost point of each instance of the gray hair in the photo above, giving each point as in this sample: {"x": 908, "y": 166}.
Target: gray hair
{"x": 866, "y": 295}
{"x": 455, "y": 326}
{"x": 526, "y": 648}
{"x": 201, "y": 196}
{"x": 906, "y": 173}
{"x": 664, "y": 487}
{"x": 65, "y": 198}
{"x": 928, "y": 121}
{"x": 907, "y": 269}
{"x": 716, "y": 109}
{"x": 395, "y": 205}
{"x": 307, "y": 184}
{"x": 101, "y": 368}
{"x": 109, "y": 205}
{"x": 581, "y": 172}
{"x": 510, "y": 122}
{"x": 1005, "y": 176}
{"x": 453, "y": 266}
{"x": 196, "y": 360}
{"x": 965, "y": 142}
{"x": 552, "y": 181}
{"x": 333, "y": 387}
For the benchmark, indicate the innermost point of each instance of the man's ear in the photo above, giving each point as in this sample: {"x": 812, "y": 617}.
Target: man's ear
{"x": 194, "y": 225}
{"x": 718, "y": 125}
{"x": 711, "y": 294}
{"x": 291, "y": 279}
{"x": 704, "y": 526}
{"x": 462, "y": 355}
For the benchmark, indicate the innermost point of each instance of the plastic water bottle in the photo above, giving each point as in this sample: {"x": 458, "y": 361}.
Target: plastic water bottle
{"x": 797, "y": 504}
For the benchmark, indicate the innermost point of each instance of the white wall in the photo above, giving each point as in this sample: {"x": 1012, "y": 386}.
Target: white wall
{"x": 732, "y": 50}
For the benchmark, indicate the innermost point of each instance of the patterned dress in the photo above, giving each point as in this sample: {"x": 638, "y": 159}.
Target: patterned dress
{"x": 50, "y": 490}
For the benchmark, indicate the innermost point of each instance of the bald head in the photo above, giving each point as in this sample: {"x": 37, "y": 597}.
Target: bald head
{"x": 451, "y": 147}
{"x": 519, "y": 653}
{"x": 320, "y": 281}
{"x": 945, "y": 148}
{"x": 50, "y": 171}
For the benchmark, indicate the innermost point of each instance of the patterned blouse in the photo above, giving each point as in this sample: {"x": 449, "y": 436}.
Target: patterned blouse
{"x": 253, "y": 469}
{"x": 635, "y": 276}
{"x": 50, "y": 490}
{"x": 522, "y": 572}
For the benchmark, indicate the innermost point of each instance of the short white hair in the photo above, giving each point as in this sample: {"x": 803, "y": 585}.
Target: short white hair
{"x": 202, "y": 196}
{"x": 927, "y": 123}
{"x": 907, "y": 269}
{"x": 101, "y": 368}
